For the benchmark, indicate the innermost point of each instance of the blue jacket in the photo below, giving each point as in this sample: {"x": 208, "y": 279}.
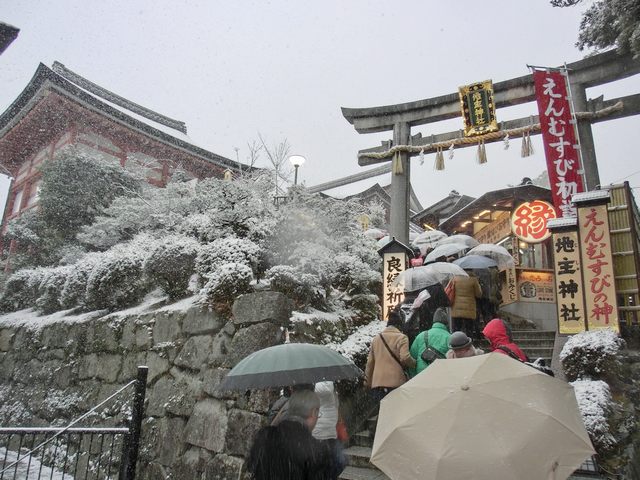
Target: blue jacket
{"x": 438, "y": 339}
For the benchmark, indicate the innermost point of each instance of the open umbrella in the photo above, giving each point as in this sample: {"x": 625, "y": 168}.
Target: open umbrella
{"x": 471, "y": 262}
{"x": 428, "y": 239}
{"x": 418, "y": 278}
{"x": 383, "y": 241}
{"x": 467, "y": 240}
{"x": 375, "y": 233}
{"x": 487, "y": 417}
{"x": 289, "y": 364}
{"x": 496, "y": 252}
{"x": 445, "y": 250}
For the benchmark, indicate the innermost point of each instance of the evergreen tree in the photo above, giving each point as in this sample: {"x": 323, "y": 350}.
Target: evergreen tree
{"x": 608, "y": 23}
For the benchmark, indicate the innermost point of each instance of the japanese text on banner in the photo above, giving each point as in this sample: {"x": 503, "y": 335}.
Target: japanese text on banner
{"x": 595, "y": 251}
{"x": 559, "y": 137}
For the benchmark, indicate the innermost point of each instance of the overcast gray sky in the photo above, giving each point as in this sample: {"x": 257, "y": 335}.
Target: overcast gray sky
{"x": 284, "y": 69}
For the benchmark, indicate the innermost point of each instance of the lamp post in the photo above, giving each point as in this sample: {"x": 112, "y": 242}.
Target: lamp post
{"x": 296, "y": 161}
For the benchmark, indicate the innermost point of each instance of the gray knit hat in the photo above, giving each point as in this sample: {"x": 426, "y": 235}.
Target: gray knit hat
{"x": 459, "y": 340}
{"x": 441, "y": 316}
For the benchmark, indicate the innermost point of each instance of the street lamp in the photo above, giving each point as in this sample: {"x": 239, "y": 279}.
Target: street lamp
{"x": 296, "y": 161}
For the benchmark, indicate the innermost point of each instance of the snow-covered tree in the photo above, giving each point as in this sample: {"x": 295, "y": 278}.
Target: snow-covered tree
{"x": 608, "y": 23}
{"x": 75, "y": 188}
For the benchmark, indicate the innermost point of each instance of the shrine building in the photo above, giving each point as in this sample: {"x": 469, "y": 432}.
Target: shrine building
{"x": 60, "y": 110}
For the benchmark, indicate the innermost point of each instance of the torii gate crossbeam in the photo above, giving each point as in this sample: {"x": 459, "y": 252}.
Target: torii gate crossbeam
{"x": 589, "y": 72}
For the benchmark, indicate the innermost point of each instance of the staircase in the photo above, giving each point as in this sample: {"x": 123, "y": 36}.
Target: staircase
{"x": 358, "y": 454}
{"x": 535, "y": 343}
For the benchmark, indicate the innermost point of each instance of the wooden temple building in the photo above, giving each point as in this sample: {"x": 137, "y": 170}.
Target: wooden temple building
{"x": 60, "y": 110}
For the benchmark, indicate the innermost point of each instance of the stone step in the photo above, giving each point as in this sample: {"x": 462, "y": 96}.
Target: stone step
{"x": 371, "y": 425}
{"x": 362, "y": 439}
{"x": 358, "y": 456}
{"x": 357, "y": 473}
{"x": 522, "y": 334}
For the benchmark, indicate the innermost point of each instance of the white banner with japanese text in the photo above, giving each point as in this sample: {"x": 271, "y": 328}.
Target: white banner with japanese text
{"x": 595, "y": 252}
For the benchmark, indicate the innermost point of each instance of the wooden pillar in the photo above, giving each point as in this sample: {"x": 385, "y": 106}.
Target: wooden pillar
{"x": 587, "y": 147}
{"x": 401, "y": 187}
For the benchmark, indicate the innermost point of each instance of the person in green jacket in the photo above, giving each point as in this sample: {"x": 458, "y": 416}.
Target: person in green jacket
{"x": 438, "y": 339}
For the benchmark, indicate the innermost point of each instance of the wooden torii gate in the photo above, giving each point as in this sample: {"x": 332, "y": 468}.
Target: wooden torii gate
{"x": 589, "y": 72}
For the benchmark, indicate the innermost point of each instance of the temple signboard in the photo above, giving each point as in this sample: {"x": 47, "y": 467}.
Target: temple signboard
{"x": 601, "y": 305}
{"x": 529, "y": 221}
{"x": 478, "y": 108}
{"x": 496, "y": 230}
{"x": 395, "y": 257}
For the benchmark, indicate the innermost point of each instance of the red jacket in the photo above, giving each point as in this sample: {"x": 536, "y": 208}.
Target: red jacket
{"x": 497, "y": 332}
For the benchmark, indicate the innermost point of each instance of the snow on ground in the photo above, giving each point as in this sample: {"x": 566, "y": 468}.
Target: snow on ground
{"x": 358, "y": 342}
{"x": 182, "y": 305}
{"x": 32, "y": 320}
{"x": 315, "y": 316}
{"x": 28, "y": 468}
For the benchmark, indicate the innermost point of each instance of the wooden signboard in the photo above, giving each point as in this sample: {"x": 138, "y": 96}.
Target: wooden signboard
{"x": 569, "y": 286}
{"x": 597, "y": 273}
{"x": 478, "y": 108}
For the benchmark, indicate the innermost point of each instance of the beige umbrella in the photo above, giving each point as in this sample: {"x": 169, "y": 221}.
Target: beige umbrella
{"x": 487, "y": 417}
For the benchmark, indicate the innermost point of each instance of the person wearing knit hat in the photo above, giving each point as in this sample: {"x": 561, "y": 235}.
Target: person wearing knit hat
{"x": 461, "y": 346}
{"x": 436, "y": 339}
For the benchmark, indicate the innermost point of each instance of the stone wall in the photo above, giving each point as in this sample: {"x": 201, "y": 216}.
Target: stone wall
{"x": 52, "y": 374}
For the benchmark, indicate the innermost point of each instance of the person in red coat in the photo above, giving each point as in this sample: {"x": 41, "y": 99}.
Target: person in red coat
{"x": 499, "y": 335}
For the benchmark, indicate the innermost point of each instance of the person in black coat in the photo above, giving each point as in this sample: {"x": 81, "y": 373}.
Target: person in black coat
{"x": 422, "y": 317}
{"x": 288, "y": 451}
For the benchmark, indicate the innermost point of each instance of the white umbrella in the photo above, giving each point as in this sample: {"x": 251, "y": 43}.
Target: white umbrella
{"x": 428, "y": 239}
{"x": 487, "y": 417}
{"x": 375, "y": 233}
{"x": 445, "y": 250}
{"x": 500, "y": 254}
{"x": 417, "y": 278}
{"x": 470, "y": 242}
{"x": 383, "y": 241}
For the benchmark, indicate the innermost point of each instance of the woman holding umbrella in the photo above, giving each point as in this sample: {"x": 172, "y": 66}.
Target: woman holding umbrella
{"x": 388, "y": 359}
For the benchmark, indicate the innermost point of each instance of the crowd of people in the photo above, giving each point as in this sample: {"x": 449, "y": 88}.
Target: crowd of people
{"x": 303, "y": 437}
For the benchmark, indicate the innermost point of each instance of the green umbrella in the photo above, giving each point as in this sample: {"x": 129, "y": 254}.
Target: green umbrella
{"x": 289, "y": 364}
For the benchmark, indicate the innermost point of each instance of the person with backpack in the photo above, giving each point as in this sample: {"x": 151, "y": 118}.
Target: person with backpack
{"x": 499, "y": 335}
{"x": 431, "y": 344}
{"x": 388, "y": 358}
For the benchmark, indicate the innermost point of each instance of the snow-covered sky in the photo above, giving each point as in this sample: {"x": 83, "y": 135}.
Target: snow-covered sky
{"x": 284, "y": 68}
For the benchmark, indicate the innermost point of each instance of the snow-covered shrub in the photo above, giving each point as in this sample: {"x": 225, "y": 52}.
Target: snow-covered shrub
{"x": 75, "y": 287}
{"x": 350, "y": 274}
{"x": 21, "y": 289}
{"x": 50, "y": 289}
{"x": 356, "y": 345}
{"x": 367, "y": 307}
{"x": 592, "y": 355}
{"x": 171, "y": 264}
{"x": 117, "y": 280}
{"x": 596, "y": 407}
{"x": 302, "y": 288}
{"x": 227, "y": 282}
{"x": 226, "y": 250}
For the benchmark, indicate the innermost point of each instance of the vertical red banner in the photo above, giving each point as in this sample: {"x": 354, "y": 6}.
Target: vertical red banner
{"x": 559, "y": 137}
